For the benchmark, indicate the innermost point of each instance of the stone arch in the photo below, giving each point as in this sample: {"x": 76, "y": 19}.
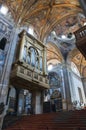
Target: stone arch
{"x": 53, "y": 53}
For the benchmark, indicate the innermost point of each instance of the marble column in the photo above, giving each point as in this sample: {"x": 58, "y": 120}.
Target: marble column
{"x": 37, "y": 104}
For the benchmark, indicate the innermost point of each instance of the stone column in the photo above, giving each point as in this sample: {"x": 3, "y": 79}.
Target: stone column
{"x": 64, "y": 105}
{"x": 6, "y": 72}
{"x": 67, "y": 94}
{"x": 37, "y": 104}
{"x": 72, "y": 89}
{"x": 20, "y": 107}
{"x": 84, "y": 84}
{"x": 17, "y": 99}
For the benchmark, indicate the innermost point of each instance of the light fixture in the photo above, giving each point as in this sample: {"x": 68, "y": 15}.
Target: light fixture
{"x": 3, "y": 9}
{"x": 53, "y": 32}
{"x": 30, "y": 30}
{"x": 63, "y": 36}
{"x": 84, "y": 23}
{"x": 50, "y": 66}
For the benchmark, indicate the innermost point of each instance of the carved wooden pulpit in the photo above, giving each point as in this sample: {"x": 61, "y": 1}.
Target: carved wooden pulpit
{"x": 29, "y": 68}
{"x": 80, "y": 36}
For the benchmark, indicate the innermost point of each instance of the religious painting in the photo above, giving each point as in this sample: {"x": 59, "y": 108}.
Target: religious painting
{"x": 54, "y": 79}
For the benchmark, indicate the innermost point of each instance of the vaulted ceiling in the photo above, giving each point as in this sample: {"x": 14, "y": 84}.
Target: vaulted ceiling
{"x": 44, "y": 15}
{"x": 62, "y": 17}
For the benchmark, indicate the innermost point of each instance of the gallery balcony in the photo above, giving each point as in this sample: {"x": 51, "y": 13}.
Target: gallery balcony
{"x": 28, "y": 78}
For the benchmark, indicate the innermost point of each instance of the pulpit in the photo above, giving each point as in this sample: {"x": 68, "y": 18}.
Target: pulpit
{"x": 29, "y": 68}
{"x": 80, "y": 36}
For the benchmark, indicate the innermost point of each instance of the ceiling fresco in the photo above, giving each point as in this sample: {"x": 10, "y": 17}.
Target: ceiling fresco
{"x": 53, "y": 54}
{"x": 43, "y": 15}
{"x": 62, "y": 17}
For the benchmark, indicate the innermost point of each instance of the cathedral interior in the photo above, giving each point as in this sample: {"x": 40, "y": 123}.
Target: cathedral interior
{"x": 41, "y": 68}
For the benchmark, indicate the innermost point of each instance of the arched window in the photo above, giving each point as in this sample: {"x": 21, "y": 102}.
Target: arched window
{"x": 3, "y": 42}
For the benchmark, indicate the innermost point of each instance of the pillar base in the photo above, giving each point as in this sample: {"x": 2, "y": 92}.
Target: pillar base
{"x": 66, "y": 105}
